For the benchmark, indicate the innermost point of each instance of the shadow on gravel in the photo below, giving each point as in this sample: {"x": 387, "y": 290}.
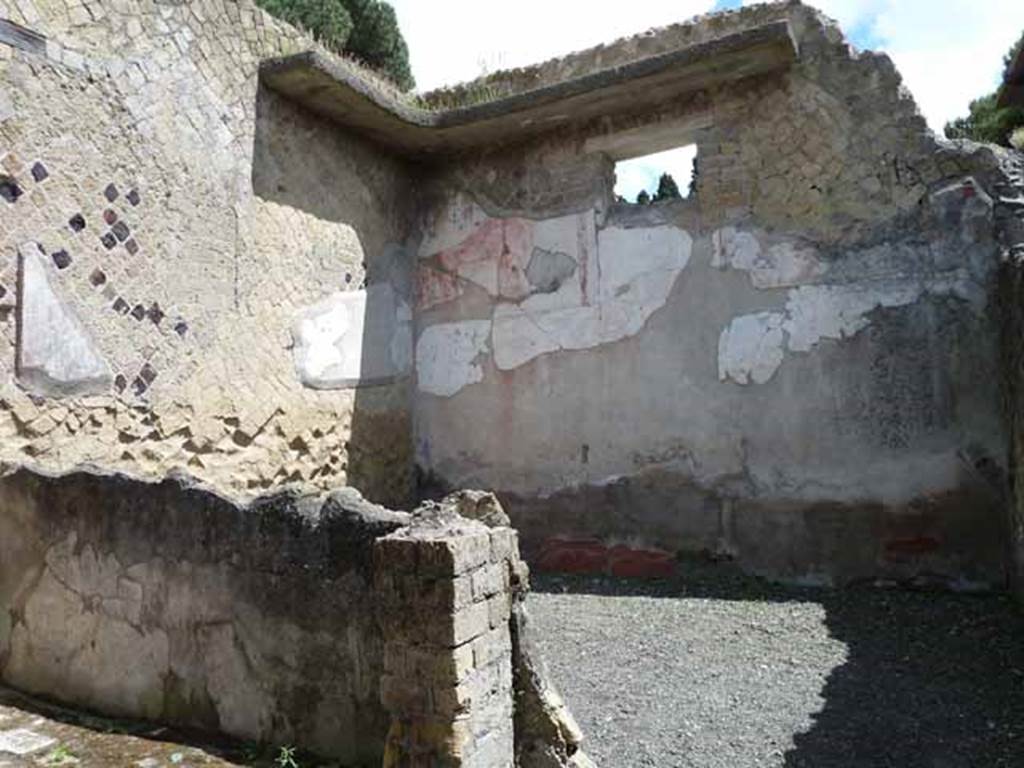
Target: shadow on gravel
{"x": 931, "y": 679}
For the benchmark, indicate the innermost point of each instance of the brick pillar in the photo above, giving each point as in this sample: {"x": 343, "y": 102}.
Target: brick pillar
{"x": 444, "y": 601}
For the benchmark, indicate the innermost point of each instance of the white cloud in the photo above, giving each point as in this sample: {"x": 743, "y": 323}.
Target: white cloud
{"x": 452, "y": 41}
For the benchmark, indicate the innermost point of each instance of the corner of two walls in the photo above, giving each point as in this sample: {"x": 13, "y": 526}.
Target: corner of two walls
{"x": 178, "y": 224}
{"x": 233, "y": 267}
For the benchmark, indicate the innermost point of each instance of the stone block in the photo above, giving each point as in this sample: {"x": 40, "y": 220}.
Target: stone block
{"x": 450, "y": 594}
{"x": 495, "y": 750}
{"x": 489, "y": 580}
{"x": 481, "y": 689}
{"x": 434, "y": 666}
{"x": 454, "y": 555}
{"x": 499, "y": 609}
{"x": 21, "y": 741}
{"x": 468, "y": 623}
{"x": 393, "y": 555}
{"x": 491, "y": 647}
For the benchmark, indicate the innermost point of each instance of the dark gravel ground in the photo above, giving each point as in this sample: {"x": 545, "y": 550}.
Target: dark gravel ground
{"x": 717, "y": 670}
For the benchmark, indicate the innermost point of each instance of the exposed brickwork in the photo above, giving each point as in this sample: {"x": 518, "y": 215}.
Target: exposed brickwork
{"x": 444, "y": 590}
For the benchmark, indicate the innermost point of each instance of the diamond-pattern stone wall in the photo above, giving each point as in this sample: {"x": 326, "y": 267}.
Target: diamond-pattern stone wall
{"x": 186, "y": 218}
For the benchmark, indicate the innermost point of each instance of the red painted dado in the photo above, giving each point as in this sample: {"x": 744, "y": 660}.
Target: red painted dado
{"x": 641, "y": 563}
{"x": 573, "y": 556}
{"x": 560, "y": 555}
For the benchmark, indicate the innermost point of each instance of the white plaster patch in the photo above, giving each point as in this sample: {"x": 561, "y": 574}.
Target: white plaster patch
{"x": 448, "y": 356}
{"x": 636, "y": 271}
{"x": 352, "y": 339}
{"x": 56, "y": 357}
{"x": 751, "y": 348}
{"x": 816, "y": 312}
{"x": 22, "y": 741}
{"x": 781, "y": 266}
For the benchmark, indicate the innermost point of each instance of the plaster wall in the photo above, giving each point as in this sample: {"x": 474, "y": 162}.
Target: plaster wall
{"x": 797, "y": 369}
{"x": 215, "y": 256}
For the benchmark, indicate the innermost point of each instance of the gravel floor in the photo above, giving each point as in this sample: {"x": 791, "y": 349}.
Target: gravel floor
{"x": 720, "y": 671}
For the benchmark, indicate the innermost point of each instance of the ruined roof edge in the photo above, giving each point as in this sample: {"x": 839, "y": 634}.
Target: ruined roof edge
{"x": 652, "y": 42}
{"x": 320, "y": 83}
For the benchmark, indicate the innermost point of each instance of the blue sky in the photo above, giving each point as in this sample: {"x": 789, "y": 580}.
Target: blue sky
{"x": 948, "y": 51}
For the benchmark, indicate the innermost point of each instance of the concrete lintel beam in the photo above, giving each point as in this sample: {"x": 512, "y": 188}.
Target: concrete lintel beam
{"x": 325, "y": 86}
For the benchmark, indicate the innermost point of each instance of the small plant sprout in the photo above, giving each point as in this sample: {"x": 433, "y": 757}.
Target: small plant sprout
{"x": 286, "y": 758}
{"x": 61, "y": 755}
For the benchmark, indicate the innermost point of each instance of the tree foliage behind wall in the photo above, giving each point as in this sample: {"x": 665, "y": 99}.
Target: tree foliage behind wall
{"x": 986, "y": 121}
{"x": 365, "y": 29}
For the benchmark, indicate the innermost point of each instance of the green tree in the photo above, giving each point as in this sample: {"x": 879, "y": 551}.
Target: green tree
{"x": 643, "y": 198}
{"x": 667, "y": 189}
{"x": 377, "y": 40}
{"x": 985, "y": 121}
{"x": 366, "y": 29}
{"x": 327, "y": 20}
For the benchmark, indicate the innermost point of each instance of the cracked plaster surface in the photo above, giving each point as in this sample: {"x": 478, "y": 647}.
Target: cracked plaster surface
{"x": 606, "y": 284}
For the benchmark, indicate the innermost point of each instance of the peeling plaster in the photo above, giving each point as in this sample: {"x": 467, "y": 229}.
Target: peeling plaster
{"x": 448, "y": 356}
{"x": 637, "y": 269}
{"x": 495, "y": 255}
{"x": 780, "y": 266}
{"x": 751, "y": 348}
{"x": 558, "y": 285}
{"x": 816, "y": 312}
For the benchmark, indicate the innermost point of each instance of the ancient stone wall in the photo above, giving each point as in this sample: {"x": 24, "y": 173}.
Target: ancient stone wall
{"x": 444, "y": 589}
{"x": 168, "y": 602}
{"x": 188, "y": 264}
{"x": 797, "y": 368}
{"x": 321, "y": 621}
{"x": 1010, "y": 221}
